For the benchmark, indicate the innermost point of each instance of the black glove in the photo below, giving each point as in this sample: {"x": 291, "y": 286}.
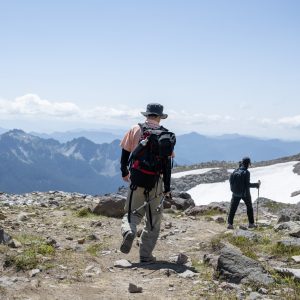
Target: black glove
{"x": 124, "y": 171}
{"x": 124, "y": 162}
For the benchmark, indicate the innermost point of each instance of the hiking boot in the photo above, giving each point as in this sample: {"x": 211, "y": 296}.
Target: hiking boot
{"x": 252, "y": 225}
{"x": 148, "y": 260}
{"x": 127, "y": 242}
{"x": 230, "y": 226}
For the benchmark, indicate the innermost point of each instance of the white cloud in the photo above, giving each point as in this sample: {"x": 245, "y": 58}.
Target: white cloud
{"x": 33, "y": 105}
{"x": 293, "y": 121}
{"x": 32, "y": 109}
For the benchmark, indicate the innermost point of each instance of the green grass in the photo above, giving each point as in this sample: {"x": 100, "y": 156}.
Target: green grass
{"x": 84, "y": 212}
{"x": 285, "y": 251}
{"x": 95, "y": 248}
{"x": 33, "y": 246}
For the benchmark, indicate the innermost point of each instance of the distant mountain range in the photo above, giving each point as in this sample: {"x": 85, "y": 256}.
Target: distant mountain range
{"x": 95, "y": 136}
{"x": 29, "y": 163}
{"x": 193, "y": 148}
{"x": 32, "y": 163}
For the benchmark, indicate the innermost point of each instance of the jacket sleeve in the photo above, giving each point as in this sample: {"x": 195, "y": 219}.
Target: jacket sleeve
{"x": 124, "y": 162}
{"x": 249, "y": 184}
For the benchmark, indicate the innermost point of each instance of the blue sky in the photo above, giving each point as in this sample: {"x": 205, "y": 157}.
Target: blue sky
{"x": 217, "y": 66}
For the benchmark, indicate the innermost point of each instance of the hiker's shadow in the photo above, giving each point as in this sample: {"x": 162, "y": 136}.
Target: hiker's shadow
{"x": 162, "y": 264}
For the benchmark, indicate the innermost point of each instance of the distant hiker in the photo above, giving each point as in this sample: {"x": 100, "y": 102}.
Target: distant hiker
{"x": 146, "y": 162}
{"x": 240, "y": 186}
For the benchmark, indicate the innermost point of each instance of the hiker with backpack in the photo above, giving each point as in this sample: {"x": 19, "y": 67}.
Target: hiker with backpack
{"x": 146, "y": 162}
{"x": 240, "y": 186}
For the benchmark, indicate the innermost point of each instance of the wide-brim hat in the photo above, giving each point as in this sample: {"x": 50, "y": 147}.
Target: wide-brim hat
{"x": 154, "y": 109}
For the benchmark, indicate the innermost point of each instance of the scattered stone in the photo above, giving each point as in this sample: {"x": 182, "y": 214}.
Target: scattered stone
{"x": 168, "y": 225}
{"x": 96, "y": 224}
{"x": 36, "y": 283}
{"x": 92, "y": 237}
{"x": 34, "y": 272}
{"x": 2, "y": 216}
{"x": 254, "y": 296}
{"x": 290, "y": 243}
{"x": 50, "y": 241}
{"x": 4, "y": 237}
{"x": 134, "y": 288}
{"x": 187, "y": 274}
{"x": 296, "y": 258}
{"x": 283, "y": 218}
{"x": 179, "y": 259}
{"x": 22, "y": 217}
{"x": 14, "y": 244}
{"x": 263, "y": 291}
{"x": 250, "y": 235}
{"x": 211, "y": 260}
{"x": 294, "y": 273}
{"x": 219, "y": 219}
{"x": 122, "y": 263}
{"x": 81, "y": 241}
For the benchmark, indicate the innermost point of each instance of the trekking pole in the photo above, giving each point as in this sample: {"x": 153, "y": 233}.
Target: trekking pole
{"x": 146, "y": 203}
{"x": 257, "y": 202}
{"x": 161, "y": 203}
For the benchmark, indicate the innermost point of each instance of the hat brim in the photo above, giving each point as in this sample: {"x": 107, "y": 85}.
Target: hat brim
{"x": 146, "y": 114}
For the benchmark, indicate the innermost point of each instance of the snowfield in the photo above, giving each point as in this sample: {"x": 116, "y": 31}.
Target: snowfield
{"x": 191, "y": 172}
{"x": 278, "y": 182}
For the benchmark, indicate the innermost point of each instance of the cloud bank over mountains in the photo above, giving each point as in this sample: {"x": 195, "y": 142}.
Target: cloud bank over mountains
{"x": 32, "y": 107}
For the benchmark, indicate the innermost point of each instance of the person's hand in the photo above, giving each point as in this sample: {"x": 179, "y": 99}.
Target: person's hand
{"x": 168, "y": 195}
{"x": 127, "y": 177}
{"x": 258, "y": 183}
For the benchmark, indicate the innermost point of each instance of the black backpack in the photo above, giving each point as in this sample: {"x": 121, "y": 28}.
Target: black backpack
{"x": 152, "y": 157}
{"x": 238, "y": 182}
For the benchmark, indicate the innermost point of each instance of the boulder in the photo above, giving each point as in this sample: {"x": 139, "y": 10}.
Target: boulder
{"x": 235, "y": 267}
{"x": 289, "y": 243}
{"x": 110, "y": 206}
{"x": 294, "y": 273}
{"x": 181, "y": 203}
{"x": 4, "y": 237}
{"x": 250, "y": 235}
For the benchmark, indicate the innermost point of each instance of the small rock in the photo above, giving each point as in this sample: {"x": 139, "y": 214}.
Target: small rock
{"x": 134, "y": 288}
{"x": 182, "y": 259}
{"x": 187, "y": 274}
{"x": 33, "y": 272}
{"x": 96, "y": 224}
{"x": 263, "y": 291}
{"x": 122, "y": 263}
{"x": 22, "y": 217}
{"x": 14, "y": 244}
{"x": 92, "y": 237}
{"x": 50, "y": 241}
{"x": 296, "y": 258}
{"x": 254, "y": 296}
{"x": 81, "y": 241}
{"x": 2, "y": 216}
{"x": 35, "y": 283}
{"x": 168, "y": 225}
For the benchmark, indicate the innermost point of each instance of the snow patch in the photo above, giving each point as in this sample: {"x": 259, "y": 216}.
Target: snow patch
{"x": 192, "y": 172}
{"x": 278, "y": 182}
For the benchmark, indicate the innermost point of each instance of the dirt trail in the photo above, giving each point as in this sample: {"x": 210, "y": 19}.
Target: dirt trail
{"x": 82, "y": 266}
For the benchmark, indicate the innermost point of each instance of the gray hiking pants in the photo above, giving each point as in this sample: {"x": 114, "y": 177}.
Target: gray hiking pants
{"x": 135, "y": 199}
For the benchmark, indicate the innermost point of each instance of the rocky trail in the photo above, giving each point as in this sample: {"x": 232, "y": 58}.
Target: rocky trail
{"x": 56, "y": 246}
